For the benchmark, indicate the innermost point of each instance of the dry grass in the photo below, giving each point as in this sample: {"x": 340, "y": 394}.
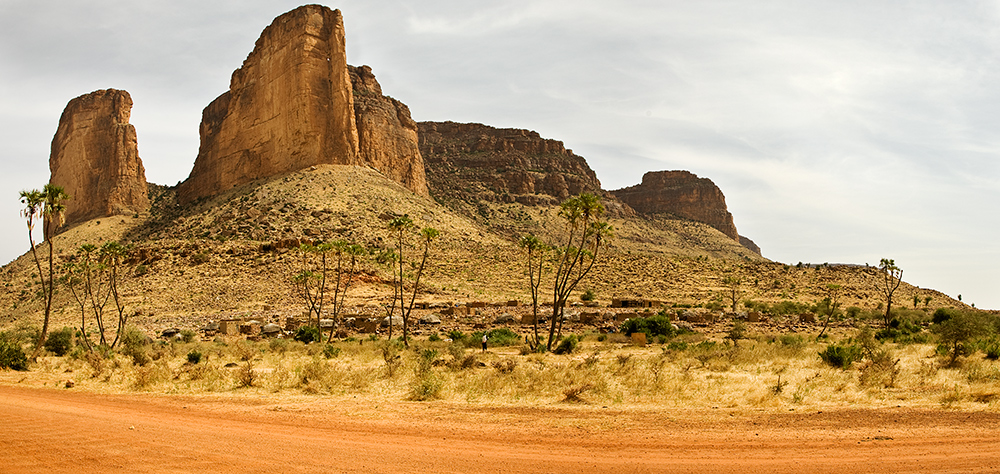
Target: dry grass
{"x": 761, "y": 373}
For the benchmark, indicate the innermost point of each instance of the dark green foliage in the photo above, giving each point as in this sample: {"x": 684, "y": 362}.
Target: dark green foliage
{"x": 330, "y": 351}
{"x": 495, "y": 337}
{"x": 188, "y": 336}
{"x": 11, "y": 355}
{"x": 307, "y": 334}
{"x": 656, "y": 325}
{"x": 677, "y": 346}
{"x": 900, "y": 330}
{"x": 943, "y": 314}
{"x": 456, "y": 335}
{"x": 567, "y": 345}
{"x": 194, "y": 357}
{"x": 434, "y": 338}
{"x": 588, "y": 296}
{"x": 59, "y": 342}
{"x": 991, "y": 347}
{"x": 134, "y": 344}
{"x": 841, "y": 356}
{"x": 956, "y": 332}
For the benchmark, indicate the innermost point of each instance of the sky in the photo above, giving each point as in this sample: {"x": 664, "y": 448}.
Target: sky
{"x": 840, "y": 131}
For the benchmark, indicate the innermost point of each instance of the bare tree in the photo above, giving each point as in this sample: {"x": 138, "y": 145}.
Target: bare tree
{"x": 733, "y": 284}
{"x": 889, "y": 278}
{"x": 833, "y": 294}
{"x": 351, "y": 252}
{"x": 537, "y": 253}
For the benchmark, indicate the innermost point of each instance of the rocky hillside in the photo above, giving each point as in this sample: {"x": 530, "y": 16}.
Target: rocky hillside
{"x": 304, "y": 148}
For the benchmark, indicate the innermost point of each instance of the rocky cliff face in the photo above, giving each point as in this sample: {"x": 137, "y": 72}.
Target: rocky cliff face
{"x": 288, "y": 107}
{"x": 292, "y": 105}
{"x": 681, "y": 193}
{"x": 474, "y": 161}
{"x": 387, "y": 136}
{"x": 95, "y": 157}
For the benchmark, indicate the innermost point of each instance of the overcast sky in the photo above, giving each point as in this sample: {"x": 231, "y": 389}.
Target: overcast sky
{"x": 840, "y": 131}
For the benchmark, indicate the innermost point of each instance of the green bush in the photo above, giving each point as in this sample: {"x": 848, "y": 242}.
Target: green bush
{"x": 59, "y": 342}
{"x": 588, "y": 296}
{"x": 495, "y": 337}
{"x": 991, "y": 347}
{"x": 194, "y": 357}
{"x": 656, "y": 325}
{"x": 677, "y": 346}
{"x": 943, "y": 314}
{"x": 841, "y": 356}
{"x": 307, "y": 334}
{"x": 956, "y": 332}
{"x": 900, "y": 330}
{"x": 188, "y": 336}
{"x": 11, "y": 355}
{"x": 567, "y": 345}
{"x": 330, "y": 351}
{"x": 134, "y": 344}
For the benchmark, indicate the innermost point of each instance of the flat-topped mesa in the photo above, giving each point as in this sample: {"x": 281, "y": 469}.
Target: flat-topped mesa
{"x": 95, "y": 158}
{"x": 471, "y": 160}
{"x": 387, "y": 136}
{"x": 683, "y": 194}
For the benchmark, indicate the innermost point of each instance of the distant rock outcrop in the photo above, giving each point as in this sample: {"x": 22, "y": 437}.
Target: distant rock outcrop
{"x": 387, "y": 136}
{"x": 95, "y": 157}
{"x": 475, "y": 161}
{"x": 683, "y": 194}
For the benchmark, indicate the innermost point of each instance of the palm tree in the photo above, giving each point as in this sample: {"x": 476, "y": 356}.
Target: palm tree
{"x": 49, "y": 205}
{"x": 585, "y": 234}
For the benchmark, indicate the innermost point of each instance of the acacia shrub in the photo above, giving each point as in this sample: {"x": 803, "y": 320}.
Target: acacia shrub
{"x": 59, "y": 342}
{"x": 656, "y": 325}
{"x": 841, "y": 356}
{"x": 11, "y": 355}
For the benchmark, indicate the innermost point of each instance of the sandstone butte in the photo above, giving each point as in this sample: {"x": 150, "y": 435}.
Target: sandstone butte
{"x": 507, "y": 164}
{"x": 295, "y": 103}
{"x": 683, "y": 194}
{"x": 291, "y": 105}
{"x": 95, "y": 157}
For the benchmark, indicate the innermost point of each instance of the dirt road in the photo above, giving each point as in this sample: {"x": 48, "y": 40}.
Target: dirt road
{"x": 45, "y": 430}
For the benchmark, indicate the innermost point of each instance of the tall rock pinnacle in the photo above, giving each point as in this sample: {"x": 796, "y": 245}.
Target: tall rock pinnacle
{"x": 290, "y": 106}
{"x": 95, "y": 157}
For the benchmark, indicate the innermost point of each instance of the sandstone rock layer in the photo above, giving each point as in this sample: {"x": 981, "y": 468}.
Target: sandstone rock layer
{"x": 683, "y": 194}
{"x": 291, "y": 105}
{"x": 95, "y": 157}
{"x": 474, "y": 161}
{"x": 288, "y": 107}
{"x": 387, "y": 136}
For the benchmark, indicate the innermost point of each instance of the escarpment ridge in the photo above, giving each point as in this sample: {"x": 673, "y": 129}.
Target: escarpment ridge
{"x": 296, "y": 103}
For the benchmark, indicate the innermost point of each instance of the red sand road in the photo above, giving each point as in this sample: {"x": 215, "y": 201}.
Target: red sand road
{"x": 45, "y": 430}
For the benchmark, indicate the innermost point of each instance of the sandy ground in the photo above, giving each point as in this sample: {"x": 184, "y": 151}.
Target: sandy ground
{"x": 49, "y": 430}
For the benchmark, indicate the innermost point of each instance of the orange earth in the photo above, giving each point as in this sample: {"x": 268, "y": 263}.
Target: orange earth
{"x": 46, "y": 430}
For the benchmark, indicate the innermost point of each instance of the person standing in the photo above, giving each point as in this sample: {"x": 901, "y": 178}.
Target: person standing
{"x": 484, "y": 342}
